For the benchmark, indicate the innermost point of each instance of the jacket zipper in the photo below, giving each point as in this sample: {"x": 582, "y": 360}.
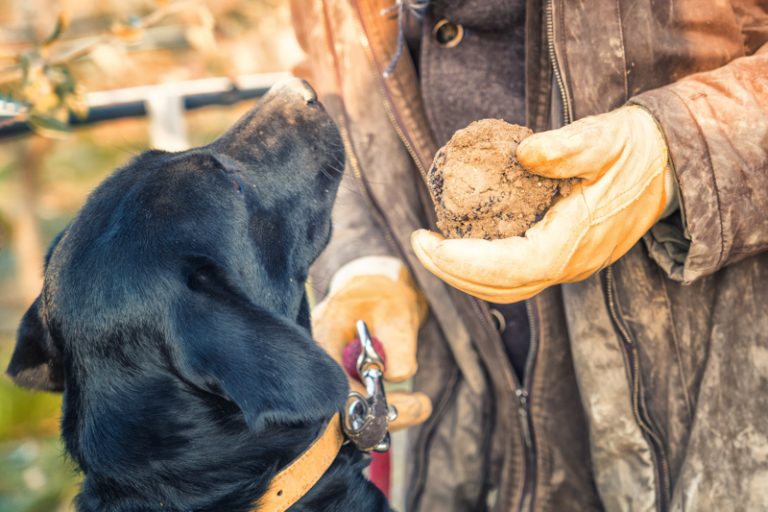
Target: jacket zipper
{"x": 403, "y": 138}
{"x": 550, "y": 21}
{"x": 628, "y": 347}
{"x": 523, "y": 393}
{"x": 638, "y": 406}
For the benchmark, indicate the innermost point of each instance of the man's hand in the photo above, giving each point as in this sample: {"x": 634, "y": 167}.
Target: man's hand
{"x": 626, "y": 185}
{"x": 379, "y": 291}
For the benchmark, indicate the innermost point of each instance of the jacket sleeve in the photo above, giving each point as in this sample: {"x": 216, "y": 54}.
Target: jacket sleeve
{"x": 716, "y": 126}
{"x": 357, "y": 232}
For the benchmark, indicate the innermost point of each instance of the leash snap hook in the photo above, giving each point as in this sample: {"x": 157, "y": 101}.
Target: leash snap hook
{"x": 367, "y": 418}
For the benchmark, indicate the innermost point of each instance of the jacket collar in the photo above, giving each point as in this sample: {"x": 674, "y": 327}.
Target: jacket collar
{"x": 400, "y": 87}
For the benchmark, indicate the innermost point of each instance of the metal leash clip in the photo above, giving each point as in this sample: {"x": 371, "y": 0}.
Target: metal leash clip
{"x": 367, "y": 418}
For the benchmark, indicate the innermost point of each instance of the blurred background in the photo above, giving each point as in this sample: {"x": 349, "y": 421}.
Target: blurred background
{"x": 166, "y": 74}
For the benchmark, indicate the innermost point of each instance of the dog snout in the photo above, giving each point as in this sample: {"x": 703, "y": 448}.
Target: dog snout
{"x": 287, "y": 130}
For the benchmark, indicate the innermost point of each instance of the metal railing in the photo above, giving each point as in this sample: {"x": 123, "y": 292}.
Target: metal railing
{"x": 149, "y": 100}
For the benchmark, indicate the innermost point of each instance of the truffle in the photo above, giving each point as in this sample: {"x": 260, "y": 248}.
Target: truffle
{"x": 479, "y": 188}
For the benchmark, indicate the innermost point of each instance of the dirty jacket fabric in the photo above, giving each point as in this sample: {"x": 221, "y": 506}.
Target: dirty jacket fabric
{"x": 647, "y": 384}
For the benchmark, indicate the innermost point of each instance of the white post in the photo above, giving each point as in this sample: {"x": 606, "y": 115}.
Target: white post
{"x": 167, "y": 125}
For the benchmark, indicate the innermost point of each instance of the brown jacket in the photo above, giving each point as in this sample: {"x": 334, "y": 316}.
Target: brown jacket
{"x": 648, "y": 388}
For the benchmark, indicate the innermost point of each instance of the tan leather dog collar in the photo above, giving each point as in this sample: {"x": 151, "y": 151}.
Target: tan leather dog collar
{"x": 299, "y": 476}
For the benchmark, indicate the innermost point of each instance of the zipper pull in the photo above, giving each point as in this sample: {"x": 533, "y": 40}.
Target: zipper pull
{"x": 522, "y": 396}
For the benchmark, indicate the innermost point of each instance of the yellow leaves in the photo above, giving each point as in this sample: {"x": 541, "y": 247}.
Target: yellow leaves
{"x": 50, "y": 93}
{"x": 38, "y": 90}
{"x": 76, "y": 103}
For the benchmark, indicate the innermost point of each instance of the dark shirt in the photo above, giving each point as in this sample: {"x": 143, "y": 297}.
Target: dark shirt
{"x": 472, "y": 63}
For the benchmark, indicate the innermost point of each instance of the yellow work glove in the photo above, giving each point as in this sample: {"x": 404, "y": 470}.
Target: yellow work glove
{"x": 625, "y": 186}
{"x": 379, "y": 291}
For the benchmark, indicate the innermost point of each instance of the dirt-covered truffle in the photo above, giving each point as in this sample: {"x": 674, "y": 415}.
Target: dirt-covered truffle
{"x": 479, "y": 188}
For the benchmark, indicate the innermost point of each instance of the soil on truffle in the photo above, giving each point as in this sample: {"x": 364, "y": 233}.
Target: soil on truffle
{"x": 479, "y": 188}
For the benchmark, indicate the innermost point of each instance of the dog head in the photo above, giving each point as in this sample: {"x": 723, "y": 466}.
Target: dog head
{"x": 188, "y": 269}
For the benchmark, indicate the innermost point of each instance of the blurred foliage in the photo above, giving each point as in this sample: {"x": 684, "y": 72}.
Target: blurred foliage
{"x": 23, "y": 413}
{"x": 35, "y": 475}
{"x": 46, "y": 76}
{"x": 40, "y": 88}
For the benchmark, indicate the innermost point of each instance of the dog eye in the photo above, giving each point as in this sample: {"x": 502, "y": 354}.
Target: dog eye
{"x": 203, "y": 275}
{"x": 200, "y": 278}
{"x": 200, "y": 273}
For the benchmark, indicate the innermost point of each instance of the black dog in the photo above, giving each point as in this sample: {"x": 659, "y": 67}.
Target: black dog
{"x": 174, "y": 319}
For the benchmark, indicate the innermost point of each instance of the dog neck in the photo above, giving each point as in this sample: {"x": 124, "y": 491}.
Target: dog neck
{"x": 212, "y": 462}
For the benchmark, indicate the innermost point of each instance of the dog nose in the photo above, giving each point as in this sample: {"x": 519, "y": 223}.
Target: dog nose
{"x": 295, "y": 86}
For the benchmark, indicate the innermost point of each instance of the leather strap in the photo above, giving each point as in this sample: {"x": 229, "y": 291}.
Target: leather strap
{"x": 299, "y": 476}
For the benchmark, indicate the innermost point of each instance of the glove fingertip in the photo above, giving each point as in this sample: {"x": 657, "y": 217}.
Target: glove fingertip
{"x": 426, "y": 238}
{"x": 532, "y": 151}
{"x": 400, "y": 370}
{"x": 546, "y": 154}
{"x": 412, "y": 408}
{"x": 425, "y": 243}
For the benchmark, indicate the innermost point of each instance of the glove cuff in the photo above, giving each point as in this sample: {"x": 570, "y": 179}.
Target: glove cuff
{"x": 386, "y": 266}
{"x": 672, "y": 203}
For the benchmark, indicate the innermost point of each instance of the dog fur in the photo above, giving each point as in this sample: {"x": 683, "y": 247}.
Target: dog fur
{"x": 174, "y": 319}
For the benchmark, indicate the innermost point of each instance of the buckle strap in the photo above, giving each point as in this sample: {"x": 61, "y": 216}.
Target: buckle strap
{"x": 299, "y": 476}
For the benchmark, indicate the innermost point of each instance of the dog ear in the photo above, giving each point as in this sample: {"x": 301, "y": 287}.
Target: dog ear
{"x": 267, "y": 365}
{"x": 36, "y": 363}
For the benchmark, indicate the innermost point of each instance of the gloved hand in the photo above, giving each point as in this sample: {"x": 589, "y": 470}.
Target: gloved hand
{"x": 379, "y": 291}
{"x": 625, "y": 187}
